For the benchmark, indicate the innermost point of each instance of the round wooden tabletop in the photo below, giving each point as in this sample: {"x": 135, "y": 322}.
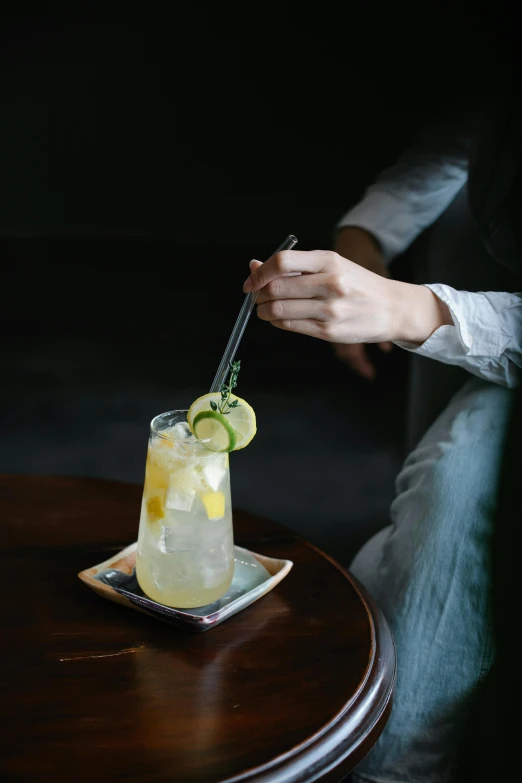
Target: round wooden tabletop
{"x": 296, "y": 687}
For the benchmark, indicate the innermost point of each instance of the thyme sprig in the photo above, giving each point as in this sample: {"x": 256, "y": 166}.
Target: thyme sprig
{"x": 225, "y": 406}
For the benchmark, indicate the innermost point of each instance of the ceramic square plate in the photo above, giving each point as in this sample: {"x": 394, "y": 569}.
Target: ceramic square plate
{"x": 254, "y": 576}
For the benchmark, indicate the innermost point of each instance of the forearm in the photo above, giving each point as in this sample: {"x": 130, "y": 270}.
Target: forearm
{"x": 417, "y": 313}
{"x": 411, "y": 194}
{"x": 336, "y": 300}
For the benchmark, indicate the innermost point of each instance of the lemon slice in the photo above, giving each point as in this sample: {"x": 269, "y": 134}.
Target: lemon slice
{"x": 241, "y": 419}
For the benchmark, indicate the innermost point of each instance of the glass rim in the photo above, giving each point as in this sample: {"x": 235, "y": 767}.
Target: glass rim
{"x": 168, "y": 437}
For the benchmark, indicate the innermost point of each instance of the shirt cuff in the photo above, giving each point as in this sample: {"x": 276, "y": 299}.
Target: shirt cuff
{"x": 474, "y": 331}
{"x": 386, "y": 217}
{"x": 444, "y": 342}
{"x": 475, "y": 319}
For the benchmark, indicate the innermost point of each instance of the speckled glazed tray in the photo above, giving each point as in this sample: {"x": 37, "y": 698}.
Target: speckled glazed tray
{"x": 254, "y": 576}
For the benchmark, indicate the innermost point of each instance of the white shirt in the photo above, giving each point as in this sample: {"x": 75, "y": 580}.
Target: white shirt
{"x": 486, "y": 338}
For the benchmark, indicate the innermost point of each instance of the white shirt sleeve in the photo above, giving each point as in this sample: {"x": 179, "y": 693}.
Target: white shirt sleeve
{"x": 486, "y": 338}
{"x": 410, "y": 195}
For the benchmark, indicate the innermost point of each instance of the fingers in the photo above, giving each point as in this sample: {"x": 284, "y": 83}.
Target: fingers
{"x": 292, "y": 309}
{"x": 386, "y": 347}
{"x": 356, "y": 356}
{"x": 303, "y": 326}
{"x": 285, "y": 262}
{"x": 294, "y": 287}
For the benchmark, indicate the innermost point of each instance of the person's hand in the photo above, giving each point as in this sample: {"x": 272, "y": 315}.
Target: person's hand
{"x": 359, "y": 246}
{"x": 321, "y": 294}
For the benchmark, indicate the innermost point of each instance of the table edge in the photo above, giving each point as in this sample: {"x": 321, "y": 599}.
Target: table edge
{"x": 340, "y": 740}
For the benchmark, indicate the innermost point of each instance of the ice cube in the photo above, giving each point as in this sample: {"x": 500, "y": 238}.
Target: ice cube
{"x": 180, "y": 498}
{"x": 211, "y": 577}
{"x": 214, "y": 471}
{"x": 178, "y": 537}
{"x": 186, "y": 478}
{"x": 216, "y": 563}
{"x": 181, "y": 431}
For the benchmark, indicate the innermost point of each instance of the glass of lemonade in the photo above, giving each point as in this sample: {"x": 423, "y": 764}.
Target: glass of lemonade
{"x": 185, "y": 554}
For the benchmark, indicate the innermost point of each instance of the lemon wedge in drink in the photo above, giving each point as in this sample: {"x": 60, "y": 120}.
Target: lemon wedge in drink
{"x": 214, "y": 503}
{"x": 227, "y": 427}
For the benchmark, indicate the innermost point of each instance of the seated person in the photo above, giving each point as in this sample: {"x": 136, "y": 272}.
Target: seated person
{"x": 429, "y": 569}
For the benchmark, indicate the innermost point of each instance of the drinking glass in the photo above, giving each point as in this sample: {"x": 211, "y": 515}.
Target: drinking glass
{"x": 185, "y": 554}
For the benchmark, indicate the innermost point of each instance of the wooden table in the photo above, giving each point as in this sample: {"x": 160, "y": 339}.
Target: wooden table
{"x": 296, "y": 687}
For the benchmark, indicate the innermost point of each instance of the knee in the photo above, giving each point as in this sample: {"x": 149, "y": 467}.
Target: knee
{"x": 455, "y": 467}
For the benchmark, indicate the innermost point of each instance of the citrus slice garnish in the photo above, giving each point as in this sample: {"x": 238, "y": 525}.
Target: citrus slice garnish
{"x": 214, "y": 430}
{"x": 240, "y": 418}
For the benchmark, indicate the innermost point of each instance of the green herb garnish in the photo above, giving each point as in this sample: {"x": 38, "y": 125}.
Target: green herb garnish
{"x": 225, "y": 406}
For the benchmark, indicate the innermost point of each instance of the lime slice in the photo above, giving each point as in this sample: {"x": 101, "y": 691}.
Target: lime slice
{"x": 241, "y": 419}
{"x": 215, "y": 430}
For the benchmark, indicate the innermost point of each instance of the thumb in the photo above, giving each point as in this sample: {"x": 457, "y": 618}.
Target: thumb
{"x": 255, "y": 265}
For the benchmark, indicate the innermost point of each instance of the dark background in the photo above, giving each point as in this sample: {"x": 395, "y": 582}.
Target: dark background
{"x": 145, "y": 159}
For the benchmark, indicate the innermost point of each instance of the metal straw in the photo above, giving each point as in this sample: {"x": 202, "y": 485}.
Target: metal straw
{"x": 239, "y": 328}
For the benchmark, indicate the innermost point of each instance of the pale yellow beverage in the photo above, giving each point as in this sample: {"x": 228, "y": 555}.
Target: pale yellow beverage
{"x": 185, "y": 552}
